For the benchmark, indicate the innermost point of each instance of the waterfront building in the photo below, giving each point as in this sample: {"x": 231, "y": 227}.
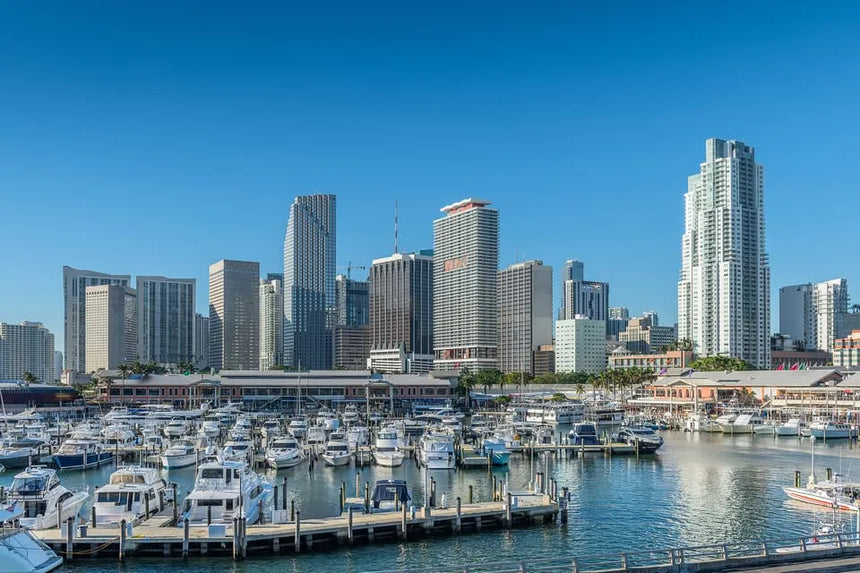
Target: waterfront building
{"x": 524, "y": 314}
{"x": 26, "y": 347}
{"x": 401, "y": 313}
{"x": 846, "y": 351}
{"x": 465, "y": 265}
{"x": 813, "y": 315}
{"x": 165, "y": 319}
{"x": 234, "y": 314}
{"x": 544, "y": 360}
{"x": 642, "y": 336}
{"x": 619, "y": 313}
{"x": 271, "y": 323}
{"x": 659, "y": 362}
{"x": 201, "y": 341}
{"x": 111, "y": 327}
{"x": 75, "y": 283}
{"x": 351, "y": 347}
{"x": 309, "y": 281}
{"x": 724, "y": 289}
{"x": 831, "y": 306}
{"x": 580, "y": 345}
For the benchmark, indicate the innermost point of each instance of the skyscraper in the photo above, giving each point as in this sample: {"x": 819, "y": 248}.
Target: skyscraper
{"x": 75, "y": 283}
{"x": 111, "y": 326}
{"x": 582, "y": 297}
{"x": 813, "y": 314}
{"x": 465, "y": 265}
{"x": 401, "y": 313}
{"x": 309, "y": 289}
{"x": 165, "y": 319}
{"x": 201, "y": 341}
{"x": 580, "y": 345}
{"x": 271, "y": 323}
{"x": 351, "y": 301}
{"x": 234, "y": 315}
{"x": 26, "y": 347}
{"x": 619, "y": 312}
{"x": 525, "y": 314}
{"x": 724, "y": 289}
{"x": 573, "y": 270}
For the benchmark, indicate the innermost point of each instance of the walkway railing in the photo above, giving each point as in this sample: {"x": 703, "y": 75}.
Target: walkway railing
{"x": 704, "y": 557}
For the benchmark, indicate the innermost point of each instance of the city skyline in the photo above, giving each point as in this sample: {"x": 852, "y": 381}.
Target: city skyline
{"x": 420, "y": 108}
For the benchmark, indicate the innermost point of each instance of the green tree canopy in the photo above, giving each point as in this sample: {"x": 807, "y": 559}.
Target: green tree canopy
{"x": 720, "y": 364}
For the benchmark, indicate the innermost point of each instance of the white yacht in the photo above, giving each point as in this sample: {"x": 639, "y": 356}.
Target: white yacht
{"x": 38, "y": 492}
{"x": 221, "y": 489}
{"x": 717, "y": 425}
{"x": 350, "y": 414}
{"x": 386, "y": 451}
{"x": 316, "y": 438}
{"x": 180, "y": 454}
{"x": 237, "y": 448}
{"x": 284, "y": 452}
{"x": 327, "y": 419}
{"x": 298, "y": 427}
{"x": 742, "y": 424}
{"x": 127, "y": 494}
{"x": 20, "y": 550}
{"x": 211, "y": 428}
{"x": 337, "y": 452}
{"x": 271, "y": 429}
{"x": 792, "y": 427}
{"x": 830, "y": 430}
{"x": 437, "y": 450}
{"x": 176, "y": 428}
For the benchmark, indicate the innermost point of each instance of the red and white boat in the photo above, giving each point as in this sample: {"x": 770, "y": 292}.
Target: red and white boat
{"x": 831, "y": 493}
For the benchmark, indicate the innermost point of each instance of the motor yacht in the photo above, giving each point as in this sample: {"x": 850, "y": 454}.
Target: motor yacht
{"x": 316, "y": 438}
{"x": 20, "y": 452}
{"x": 271, "y": 429}
{"x": 180, "y": 454}
{"x": 41, "y": 495}
{"x": 386, "y": 450}
{"x": 792, "y": 427}
{"x": 224, "y": 490}
{"x": 583, "y": 434}
{"x": 210, "y": 428}
{"x": 81, "y": 451}
{"x": 238, "y": 448}
{"x": 337, "y": 452}
{"x": 350, "y": 414}
{"x": 830, "y": 430}
{"x": 497, "y": 450}
{"x": 436, "y": 449}
{"x": 284, "y": 452}
{"x": 645, "y": 438}
{"x": 20, "y": 550}
{"x": 129, "y": 493}
{"x": 388, "y": 494}
{"x": 742, "y": 424}
{"x": 176, "y": 428}
{"x": 298, "y": 427}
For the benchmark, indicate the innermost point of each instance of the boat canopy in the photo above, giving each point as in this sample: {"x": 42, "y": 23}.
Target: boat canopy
{"x": 387, "y": 489}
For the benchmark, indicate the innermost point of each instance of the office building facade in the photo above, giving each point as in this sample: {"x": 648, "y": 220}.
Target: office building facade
{"x": 580, "y": 345}
{"x": 201, "y": 341}
{"x": 271, "y": 323}
{"x": 813, "y": 315}
{"x": 26, "y": 347}
{"x": 165, "y": 319}
{"x": 309, "y": 281}
{"x": 724, "y": 289}
{"x": 465, "y": 266}
{"x": 111, "y": 327}
{"x": 524, "y": 315}
{"x": 234, "y": 315}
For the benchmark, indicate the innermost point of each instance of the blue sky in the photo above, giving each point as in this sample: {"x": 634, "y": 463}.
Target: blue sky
{"x": 159, "y": 138}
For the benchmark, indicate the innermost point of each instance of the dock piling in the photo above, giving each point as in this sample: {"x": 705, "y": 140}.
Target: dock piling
{"x": 235, "y": 539}
{"x": 292, "y": 510}
{"x": 93, "y": 512}
{"x": 298, "y": 540}
{"x": 458, "y": 521}
{"x": 471, "y": 495}
{"x": 508, "y": 510}
{"x": 275, "y": 496}
{"x": 349, "y": 534}
{"x": 122, "y": 533}
{"x": 367, "y": 497}
{"x": 186, "y": 526}
{"x": 59, "y": 514}
{"x": 175, "y": 506}
{"x": 70, "y": 536}
{"x": 403, "y": 534}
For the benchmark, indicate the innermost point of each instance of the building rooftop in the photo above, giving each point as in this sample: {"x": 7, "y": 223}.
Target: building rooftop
{"x": 459, "y": 206}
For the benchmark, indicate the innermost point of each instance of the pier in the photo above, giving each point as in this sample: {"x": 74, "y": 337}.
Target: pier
{"x": 154, "y": 538}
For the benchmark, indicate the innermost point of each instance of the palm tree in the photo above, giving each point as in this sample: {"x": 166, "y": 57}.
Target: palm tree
{"x": 29, "y": 377}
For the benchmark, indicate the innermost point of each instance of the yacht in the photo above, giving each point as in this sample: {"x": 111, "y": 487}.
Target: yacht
{"x": 19, "y": 453}
{"x": 179, "y": 455}
{"x": 81, "y": 452}
{"x": 176, "y": 428}
{"x": 437, "y": 450}
{"x": 39, "y": 493}
{"x": 284, "y": 452}
{"x": 224, "y": 490}
{"x": 337, "y": 452}
{"x": 20, "y": 550}
{"x": 584, "y": 434}
{"x": 128, "y": 493}
{"x": 237, "y": 448}
{"x": 608, "y": 416}
{"x": 724, "y": 420}
{"x": 830, "y": 430}
{"x": 210, "y": 428}
{"x": 793, "y": 427}
{"x": 271, "y": 429}
{"x": 350, "y": 414}
{"x": 388, "y": 494}
{"x": 298, "y": 427}
{"x": 316, "y": 437}
{"x": 386, "y": 451}
{"x": 497, "y": 450}
{"x": 742, "y": 424}
{"x": 646, "y": 439}
{"x": 328, "y": 420}
{"x": 118, "y": 436}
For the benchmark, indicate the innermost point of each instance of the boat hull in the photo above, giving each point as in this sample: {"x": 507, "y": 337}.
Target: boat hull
{"x": 176, "y": 462}
{"x": 81, "y": 461}
{"x": 16, "y": 460}
{"x": 388, "y": 459}
{"x": 784, "y": 431}
{"x": 815, "y": 498}
{"x": 836, "y": 434}
{"x": 24, "y": 553}
{"x": 336, "y": 460}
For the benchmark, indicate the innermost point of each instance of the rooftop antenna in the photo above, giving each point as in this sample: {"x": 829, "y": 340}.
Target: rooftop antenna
{"x": 395, "y": 227}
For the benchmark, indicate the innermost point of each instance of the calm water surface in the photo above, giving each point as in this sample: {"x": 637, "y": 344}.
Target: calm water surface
{"x": 699, "y": 489}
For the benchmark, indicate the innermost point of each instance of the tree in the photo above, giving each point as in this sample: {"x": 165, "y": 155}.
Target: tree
{"x": 465, "y": 384}
{"x": 488, "y": 378}
{"x": 29, "y": 378}
{"x": 721, "y": 364}
{"x": 558, "y": 397}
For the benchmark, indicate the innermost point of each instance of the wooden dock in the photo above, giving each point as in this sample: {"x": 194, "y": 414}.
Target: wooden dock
{"x": 608, "y": 448}
{"x": 236, "y": 540}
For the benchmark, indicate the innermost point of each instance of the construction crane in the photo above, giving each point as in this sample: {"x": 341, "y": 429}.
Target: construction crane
{"x": 349, "y": 266}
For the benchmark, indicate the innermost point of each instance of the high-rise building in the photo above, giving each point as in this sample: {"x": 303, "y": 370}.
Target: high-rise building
{"x": 652, "y": 316}
{"x": 573, "y": 270}
{"x": 165, "y": 319}
{"x": 58, "y": 365}
{"x": 813, "y": 315}
{"x": 351, "y": 301}
{"x": 524, "y": 315}
{"x": 111, "y": 327}
{"x": 643, "y": 336}
{"x": 309, "y": 270}
{"x": 580, "y": 345}
{"x": 401, "y": 313}
{"x": 234, "y": 315}
{"x": 75, "y": 283}
{"x": 465, "y": 265}
{"x": 271, "y": 323}
{"x": 586, "y": 298}
{"x": 351, "y": 347}
{"x": 201, "y": 341}
{"x": 724, "y": 289}
{"x": 619, "y": 312}
{"x": 26, "y": 347}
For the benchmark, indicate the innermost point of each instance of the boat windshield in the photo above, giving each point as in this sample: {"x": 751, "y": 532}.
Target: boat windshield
{"x": 29, "y": 484}
{"x": 114, "y": 497}
{"x": 121, "y": 478}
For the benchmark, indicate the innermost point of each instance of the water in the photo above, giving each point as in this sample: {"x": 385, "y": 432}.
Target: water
{"x": 699, "y": 489}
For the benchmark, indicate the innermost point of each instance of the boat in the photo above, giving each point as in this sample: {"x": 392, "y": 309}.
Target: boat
{"x": 646, "y": 440}
{"x": 179, "y": 455}
{"x": 350, "y": 414}
{"x": 389, "y": 495}
{"x": 224, "y": 490}
{"x": 583, "y": 434}
{"x": 298, "y": 427}
{"x": 316, "y": 437}
{"x": 496, "y": 449}
{"x": 833, "y": 493}
{"x": 271, "y": 429}
{"x": 131, "y": 491}
{"x": 830, "y": 430}
{"x": 237, "y": 448}
{"x": 20, "y": 550}
{"x": 19, "y": 453}
{"x": 386, "y": 451}
{"x": 766, "y": 429}
{"x": 337, "y": 452}
{"x": 792, "y": 427}
{"x": 284, "y": 452}
{"x": 742, "y": 424}
{"x": 328, "y": 420}
{"x": 210, "y": 428}
{"x": 607, "y": 416}
{"x": 41, "y": 495}
{"x": 175, "y": 428}
{"x": 81, "y": 452}
{"x": 436, "y": 449}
